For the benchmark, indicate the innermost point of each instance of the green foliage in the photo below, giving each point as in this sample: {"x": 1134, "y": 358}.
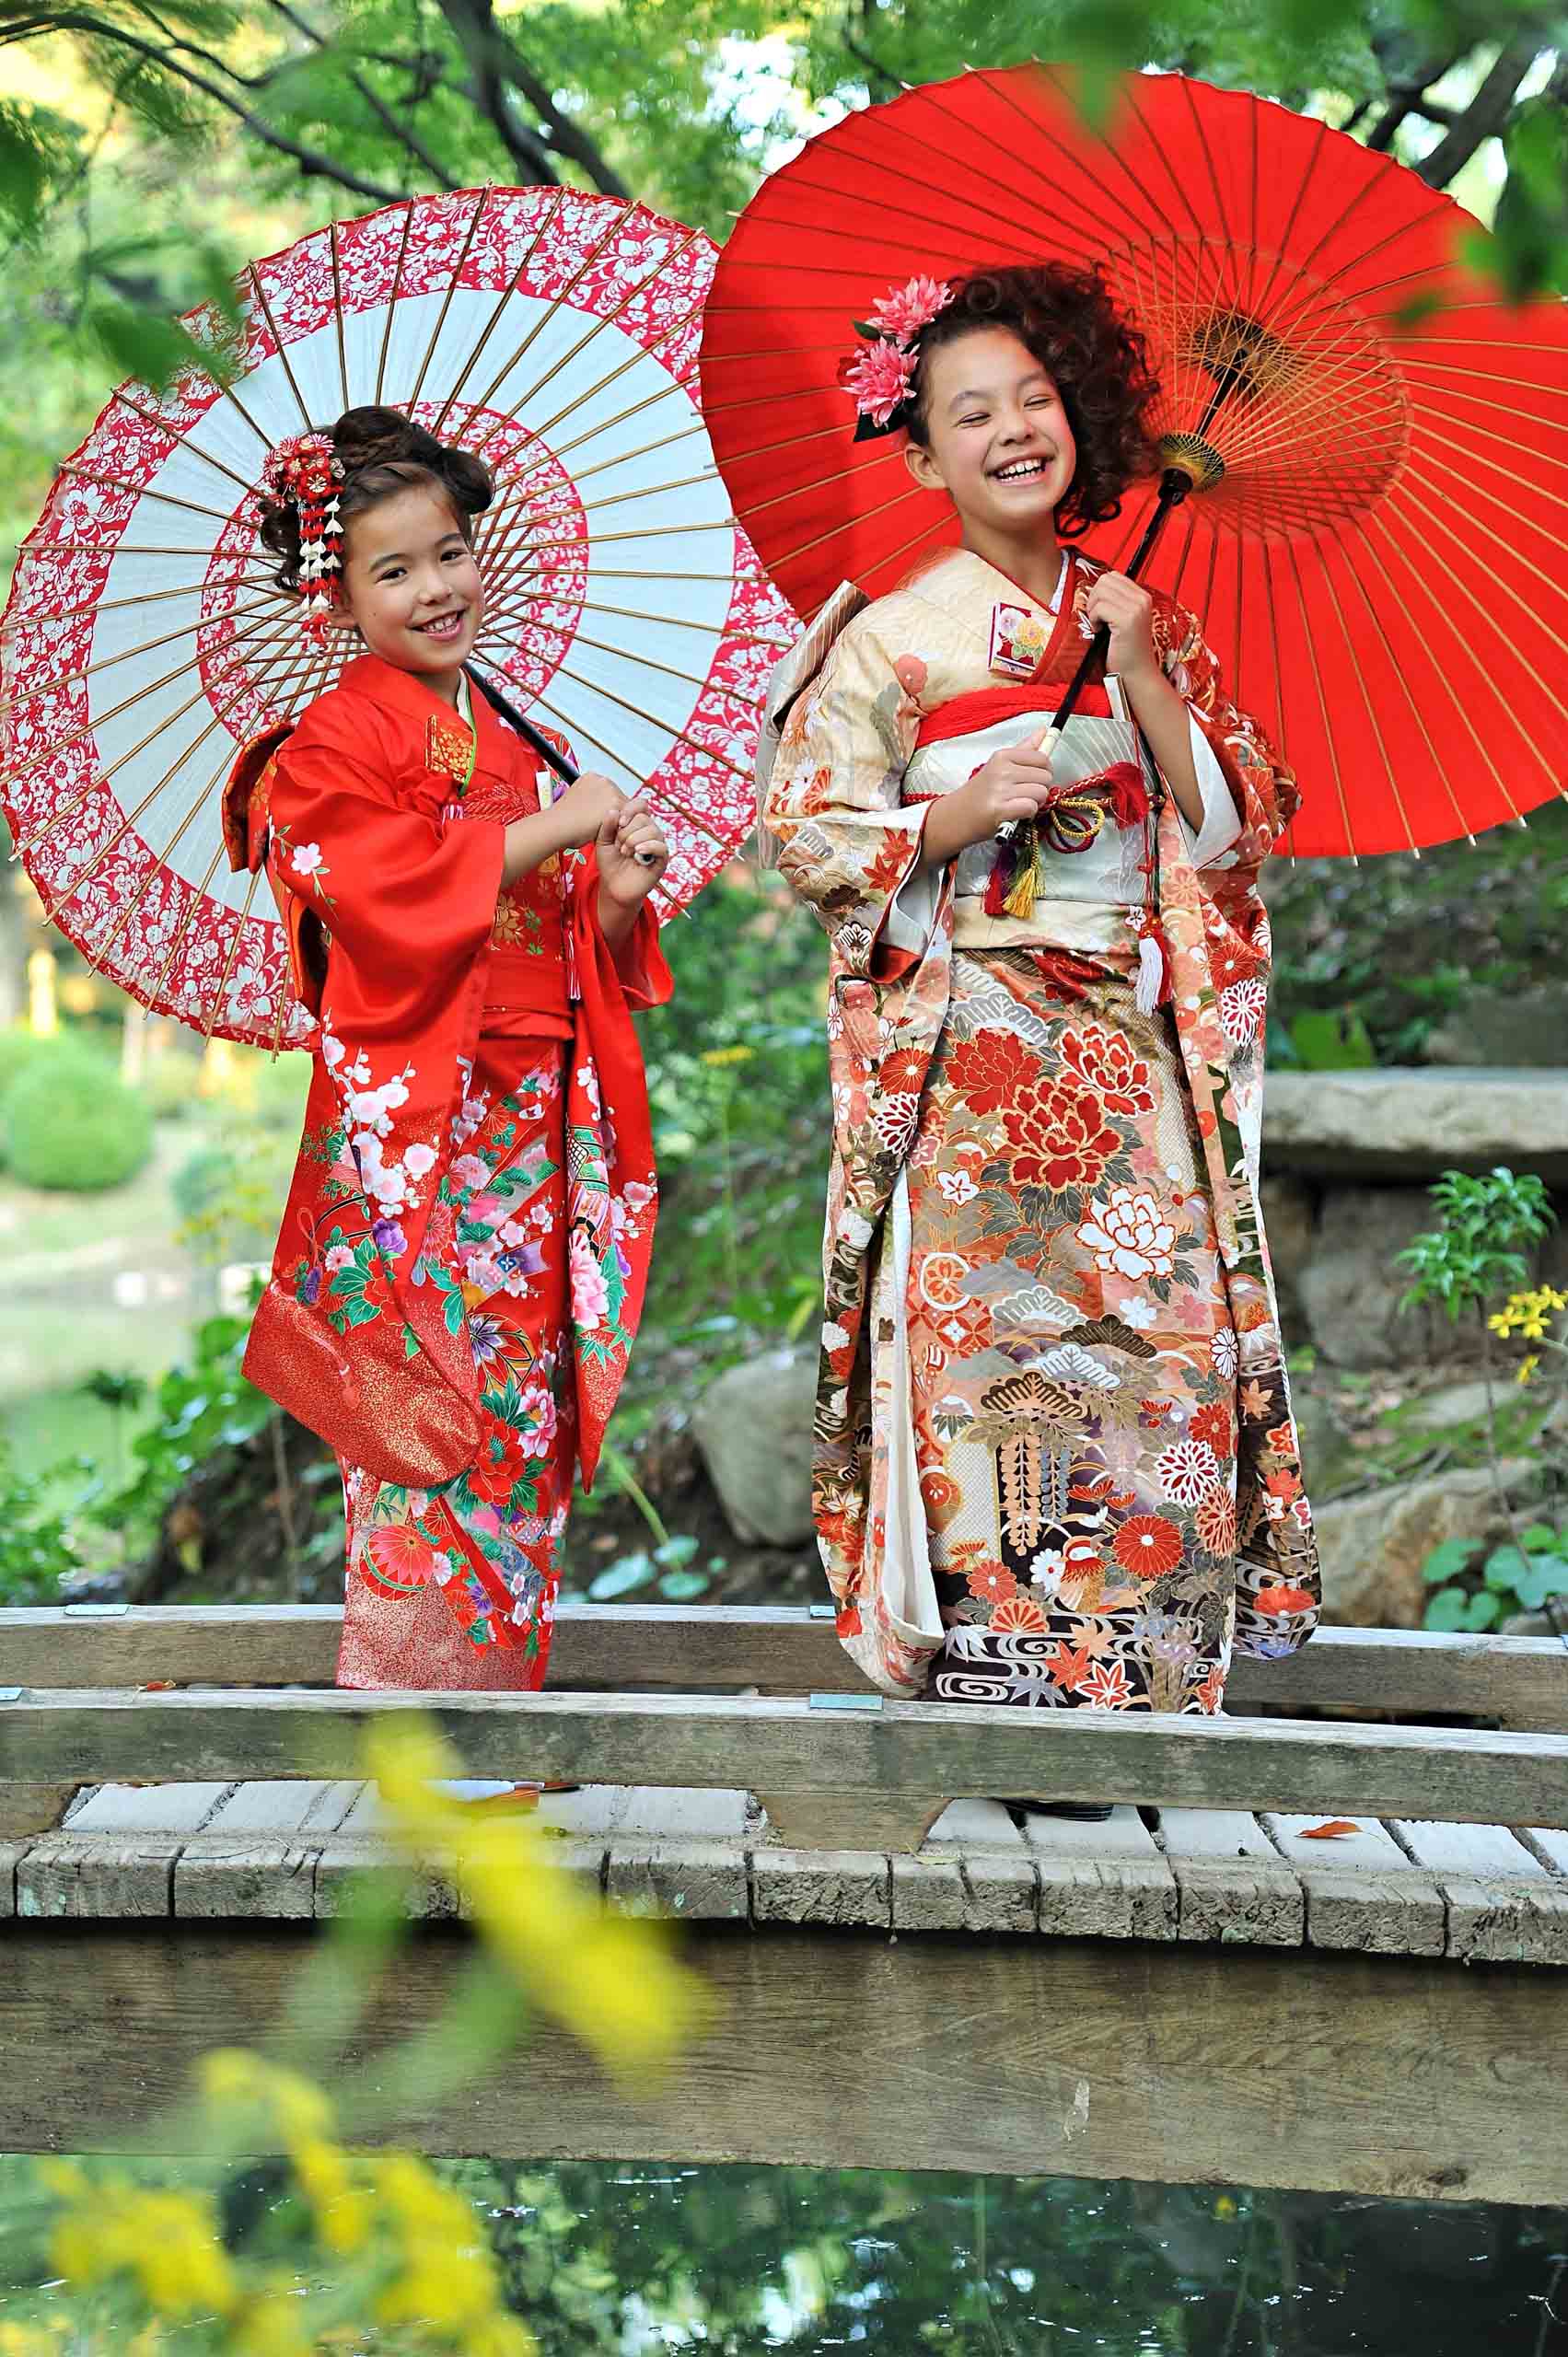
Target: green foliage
{"x": 230, "y": 1189}
{"x": 1477, "y": 1252}
{"x": 1476, "y": 1589}
{"x": 20, "y": 1050}
{"x": 200, "y": 1408}
{"x": 738, "y": 1084}
{"x": 1397, "y": 945}
{"x": 1323, "y": 1042}
{"x": 67, "y": 1121}
{"x": 37, "y": 1548}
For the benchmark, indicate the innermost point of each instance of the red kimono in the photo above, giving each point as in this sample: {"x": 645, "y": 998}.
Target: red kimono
{"x": 466, "y": 1243}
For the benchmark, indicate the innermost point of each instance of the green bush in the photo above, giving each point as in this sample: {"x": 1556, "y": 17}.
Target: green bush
{"x": 68, "y": 1122}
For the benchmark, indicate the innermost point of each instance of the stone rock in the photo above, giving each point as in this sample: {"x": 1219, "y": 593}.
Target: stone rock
{"x": 1290, "y": 1217}
{"x": 1329, "y": 1461}
{"x": 1372, "y": 1547}
{"x": 753, "y": 1426}
{"x": 1413, "y": 1122}
{"x": 1505, "y": 1027}
{"x": 1351, "y": 1288}
{"x": 1455, "y": 1404}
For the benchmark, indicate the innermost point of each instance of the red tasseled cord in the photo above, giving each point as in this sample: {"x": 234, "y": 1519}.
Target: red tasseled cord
{"x": 1127, "y": 793}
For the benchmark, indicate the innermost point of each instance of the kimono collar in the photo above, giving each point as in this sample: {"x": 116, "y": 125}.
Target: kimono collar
{"x": 962, "y": 581}
{"x": 405, "y": 694}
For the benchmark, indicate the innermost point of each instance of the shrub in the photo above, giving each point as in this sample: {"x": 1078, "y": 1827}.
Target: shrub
{"x": 68, "y": 1122}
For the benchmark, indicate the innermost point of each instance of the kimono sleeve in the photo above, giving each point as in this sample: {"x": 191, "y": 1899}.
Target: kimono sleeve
{"x": 1263, "y": 786}
{"x": 847, "y": 844}
{"x": 407, "y": 901}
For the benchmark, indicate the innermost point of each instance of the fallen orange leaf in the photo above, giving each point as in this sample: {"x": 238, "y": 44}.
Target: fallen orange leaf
{"x": 1331, "y": 1831}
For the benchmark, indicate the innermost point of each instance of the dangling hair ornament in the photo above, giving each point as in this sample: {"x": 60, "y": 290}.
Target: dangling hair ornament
{"x": 306, "y": 471}
{"x": 881, "y": 379}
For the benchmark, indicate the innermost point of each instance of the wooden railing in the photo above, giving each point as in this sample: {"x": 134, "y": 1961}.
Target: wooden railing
{"x": 764, "y": 1699}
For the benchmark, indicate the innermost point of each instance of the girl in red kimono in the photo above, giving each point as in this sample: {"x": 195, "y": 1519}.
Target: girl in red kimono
{"x": 466, "y": 1243}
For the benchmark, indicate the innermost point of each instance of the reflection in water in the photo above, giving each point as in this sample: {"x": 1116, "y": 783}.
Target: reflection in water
{"x": 618, "y": 2259}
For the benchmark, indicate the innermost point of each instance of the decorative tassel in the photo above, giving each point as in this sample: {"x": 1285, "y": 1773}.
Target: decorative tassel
{"x": 1153, "y": 986}
{"x": 1019, "y": 899}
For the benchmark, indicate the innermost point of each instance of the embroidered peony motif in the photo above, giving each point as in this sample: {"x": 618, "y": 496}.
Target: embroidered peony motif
{"x": 1128, "y": 1236}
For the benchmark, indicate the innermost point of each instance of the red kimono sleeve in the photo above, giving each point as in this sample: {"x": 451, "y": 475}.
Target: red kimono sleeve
{"x": 373, "y": 1361}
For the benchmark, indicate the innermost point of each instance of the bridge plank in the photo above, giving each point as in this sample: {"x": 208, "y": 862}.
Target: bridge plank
{"x": 1105, "y": 1882}
{"x": 1361, "y": 1890}
{"x": 1231, "y": 1882}
{"x": 1520, "y": 1682}
{"x": 117, "y": 1855}
{"x": 1397, "y": 2078}
{"x": 891, "y": 1758}
{"x": 1503, "y": 1906}
{"x": 257, "y": 1855}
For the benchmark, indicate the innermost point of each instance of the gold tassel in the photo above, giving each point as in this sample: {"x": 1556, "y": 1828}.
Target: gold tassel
{"x": 1021, "y": 894}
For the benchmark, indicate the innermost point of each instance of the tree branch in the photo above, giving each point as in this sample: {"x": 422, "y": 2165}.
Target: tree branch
{"x": 401, "y": 131}
{"x": 880, "y": 85}
{"x": 312, "y": 163}
{"x": 1487, "y": 113}
{"x": 494, "y": 61}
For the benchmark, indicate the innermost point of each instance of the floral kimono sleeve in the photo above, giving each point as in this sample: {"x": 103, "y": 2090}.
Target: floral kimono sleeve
{"x": 847, "y": 845}
{"x": 361, "y": 1333}
{"x": 407, "y": 901}
{"x": 1261, "y": 783}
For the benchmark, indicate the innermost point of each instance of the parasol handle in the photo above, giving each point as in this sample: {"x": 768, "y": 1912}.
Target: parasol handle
{"x": 565, "y": 769}
{"x": 1175, "y": 485}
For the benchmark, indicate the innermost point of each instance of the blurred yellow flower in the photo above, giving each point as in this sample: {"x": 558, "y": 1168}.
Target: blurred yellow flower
{"x": 233, "y": 2078}
{"x": 611, "y": 1980}
{"x": 342, "y": 2208}
{"x": 728, "y": 1056}
{"x": 1527, "y": 1367}
{"x": 167, "y": 2240}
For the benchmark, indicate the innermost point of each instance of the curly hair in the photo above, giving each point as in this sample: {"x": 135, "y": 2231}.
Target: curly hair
{"x": 1097, "y": 360}
{"x": 382, "y": 453}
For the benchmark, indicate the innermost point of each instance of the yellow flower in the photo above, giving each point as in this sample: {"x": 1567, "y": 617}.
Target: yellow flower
{"x": 342, "y": 2209}
{"x": 447, "y": 2276}
{"x": 610, "y": 1981}
{"x": 232, "y": 2078}
{"x": 1534, "y": 1330}
{"x": 1552, "y": 1298}
{"x": 168, "y": 2240}
{"x": 273, "y": 2326}
{"x": 501, "y": 2337}
{"x": 1502, "y": 1321}
{"x": 1224, "y": 2207}
{"x": 1527, "y": 1367}
{"x": 728, "y": 1056}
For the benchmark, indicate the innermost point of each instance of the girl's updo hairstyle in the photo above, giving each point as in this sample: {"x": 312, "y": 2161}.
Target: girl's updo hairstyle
{"x": 1097, "y": 360}
{"x": 382, "y": 453}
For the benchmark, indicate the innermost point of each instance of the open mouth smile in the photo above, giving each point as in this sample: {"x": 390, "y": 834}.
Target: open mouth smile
{"x": 1020, "y": 470}
{"x": 445, "y": 626}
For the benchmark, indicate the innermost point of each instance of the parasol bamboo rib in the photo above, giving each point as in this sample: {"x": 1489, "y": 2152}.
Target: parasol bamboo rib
{"x": 458, "y": 269}
{"x": 1371, "y": 710}
{"x": 220, "y": 996}
{"x": 149, "y": 417}
{"x": 578, "y": 729}
{"x": 101, "y": 948}
{"x": 59, "y": 680}
{"x": 1441, "y": 671}
{"x": 393, "y": 303}
{"x": 68, "y": 891}
{"x": 652, "y": 720}
{"x": 597, "y": 324}
{"x": 1329, "y": 738}
{"x": 550, "y": 311}
{"x": 282, "y": 351}
{"x": 1412, "y": 701}
{"x": 338, "y": 313}
{"x": 548, "y": 213}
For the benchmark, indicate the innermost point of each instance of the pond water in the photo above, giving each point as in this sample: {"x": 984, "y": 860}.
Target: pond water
{"x": 628, "y": 2258}
{"x": 654, "y": 2259}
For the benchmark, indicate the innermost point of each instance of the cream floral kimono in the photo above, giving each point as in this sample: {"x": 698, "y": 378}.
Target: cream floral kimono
{"x": 1055, "y": 1458}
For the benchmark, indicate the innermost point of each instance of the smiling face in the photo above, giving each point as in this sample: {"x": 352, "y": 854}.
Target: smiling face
{"x": 998, "y": 439}
{"x": 412, "y": 587}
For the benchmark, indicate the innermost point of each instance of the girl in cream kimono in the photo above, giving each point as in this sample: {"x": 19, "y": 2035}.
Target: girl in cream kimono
{"x": 1055, "y": 1459}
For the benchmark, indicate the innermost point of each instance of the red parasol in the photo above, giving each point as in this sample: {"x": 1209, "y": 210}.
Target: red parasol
{"x": 1378, "y": 564}
{"x": 553, "y": 332}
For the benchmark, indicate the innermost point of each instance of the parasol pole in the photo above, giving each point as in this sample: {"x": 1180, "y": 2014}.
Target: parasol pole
{"x": 565, "y": 769}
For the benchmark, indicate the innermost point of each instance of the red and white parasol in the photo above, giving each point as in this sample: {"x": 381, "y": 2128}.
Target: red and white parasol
{"x": 555, "y": 333}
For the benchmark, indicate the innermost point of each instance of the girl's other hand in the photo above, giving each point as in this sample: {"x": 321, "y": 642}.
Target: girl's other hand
{"x": 589, "y": 806}
{"x": 1013, "y": 784}
{"x": 633, "y": 853}
{"x": 1127, "y": 612}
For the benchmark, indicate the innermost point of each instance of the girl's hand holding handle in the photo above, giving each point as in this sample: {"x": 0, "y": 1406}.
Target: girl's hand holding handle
{"x": 1011, "y": 787}
{"x": 633, "y": 853}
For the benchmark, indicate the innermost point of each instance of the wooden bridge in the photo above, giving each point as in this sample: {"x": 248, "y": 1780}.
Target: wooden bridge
{"x": 1207, "y": 1987}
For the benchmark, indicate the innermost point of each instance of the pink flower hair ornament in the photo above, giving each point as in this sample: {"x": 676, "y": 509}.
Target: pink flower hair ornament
{"x": 306, "y": 471}
{"x": 880, "y": 379}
